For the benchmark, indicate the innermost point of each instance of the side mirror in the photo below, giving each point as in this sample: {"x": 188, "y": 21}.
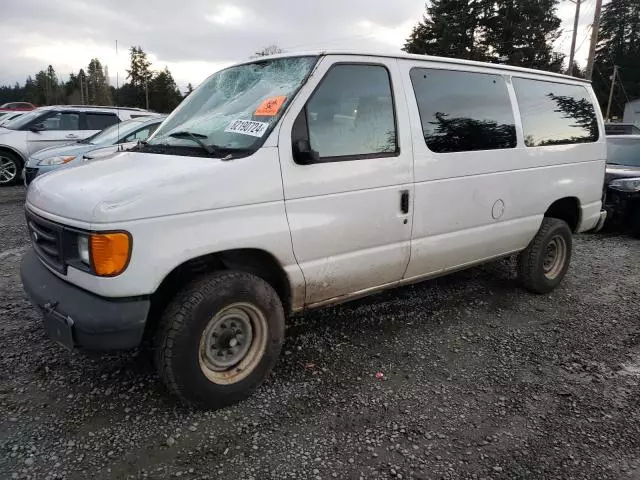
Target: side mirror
{"x": 303, "y": 153}
{"x": 38, "y": 127}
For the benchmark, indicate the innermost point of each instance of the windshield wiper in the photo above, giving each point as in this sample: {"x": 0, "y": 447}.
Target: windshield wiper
{"x": 196, "y": 137}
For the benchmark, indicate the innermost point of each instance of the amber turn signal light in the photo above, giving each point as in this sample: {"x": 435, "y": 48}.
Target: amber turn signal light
{"x": 110, "y": 252}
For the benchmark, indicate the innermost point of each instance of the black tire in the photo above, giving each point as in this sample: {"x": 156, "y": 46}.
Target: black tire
{"x": 635, "y": 221}
{"x": 179, "y": 341}
{"x": 10, "y": 168}
{"x": 533, "y": 261}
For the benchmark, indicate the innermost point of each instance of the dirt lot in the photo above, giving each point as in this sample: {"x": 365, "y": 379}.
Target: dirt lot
{"x": 481, "y": 380}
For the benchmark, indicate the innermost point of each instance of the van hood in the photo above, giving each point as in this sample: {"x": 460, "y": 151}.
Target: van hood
{"x": 135, "y": 185}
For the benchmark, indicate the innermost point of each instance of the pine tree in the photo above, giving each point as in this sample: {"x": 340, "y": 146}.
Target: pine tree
{"x": 164, "y": 95}
{"x": 139, "y": 72}
{"x": 189, "y": 90}
{"x": 522, "y": 32}
{"x": 517, "y": 32}
{"x": 618, "y": 44}
{"x": 97, "y": 88}
{"x": 450, "y": 28}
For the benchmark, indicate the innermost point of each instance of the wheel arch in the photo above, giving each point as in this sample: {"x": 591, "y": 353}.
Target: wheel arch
{"x": 249, "y": 260}
{"x": 567, "y": 209}
{"x": 15, "y": 151}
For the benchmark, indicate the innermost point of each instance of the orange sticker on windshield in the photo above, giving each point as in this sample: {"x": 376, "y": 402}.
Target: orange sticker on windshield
{"x": 270, "y": 106}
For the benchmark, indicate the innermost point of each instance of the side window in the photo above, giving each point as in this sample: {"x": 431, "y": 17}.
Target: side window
{"x": 350, "y": 115}
{"x": 555, "y": 113}
{"x": 100, "y": 121}
{"x": 463, "y": 111}
{"x": 141, "y": 134}
{"x": 61, "y": 121}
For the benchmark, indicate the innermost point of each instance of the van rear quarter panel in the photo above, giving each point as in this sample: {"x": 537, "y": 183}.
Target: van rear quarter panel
{"x": 473, "y": 206}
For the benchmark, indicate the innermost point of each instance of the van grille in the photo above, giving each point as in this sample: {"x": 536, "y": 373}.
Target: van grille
{"x": 46, "y": 238}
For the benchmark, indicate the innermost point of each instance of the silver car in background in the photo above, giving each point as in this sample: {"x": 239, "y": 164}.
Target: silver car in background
{"x": 54, "y": 158}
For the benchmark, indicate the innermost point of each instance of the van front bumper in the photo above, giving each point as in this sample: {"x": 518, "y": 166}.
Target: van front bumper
{"x": 76, "y": 318}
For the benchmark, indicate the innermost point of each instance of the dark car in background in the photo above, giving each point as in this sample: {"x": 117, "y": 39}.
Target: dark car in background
{"x": 622, "y": 182}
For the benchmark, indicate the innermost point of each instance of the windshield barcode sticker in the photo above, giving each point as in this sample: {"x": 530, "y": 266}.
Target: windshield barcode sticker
{"x": 248, "y": 127}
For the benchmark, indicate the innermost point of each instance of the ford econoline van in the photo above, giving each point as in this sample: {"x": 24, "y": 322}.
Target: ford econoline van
{"x": 296, "y": 181}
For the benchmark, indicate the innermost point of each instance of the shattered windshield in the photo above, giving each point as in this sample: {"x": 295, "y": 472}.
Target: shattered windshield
{"x": 235, "y": 108}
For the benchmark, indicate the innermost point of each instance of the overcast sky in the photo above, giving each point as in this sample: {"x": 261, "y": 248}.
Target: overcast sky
{"x": 194, "y": 38}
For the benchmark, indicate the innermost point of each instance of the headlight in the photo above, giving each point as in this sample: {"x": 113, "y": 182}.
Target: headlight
{"x": 629, "y": 185}
{"x": 83, "y": 249}
{"x": 56, "y": 160}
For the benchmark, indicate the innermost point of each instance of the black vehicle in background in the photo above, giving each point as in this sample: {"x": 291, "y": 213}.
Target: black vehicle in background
{"x": 622, "y": 182}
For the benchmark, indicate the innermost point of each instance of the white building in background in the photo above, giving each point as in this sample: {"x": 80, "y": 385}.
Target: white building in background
{"x": 632, "y": 112}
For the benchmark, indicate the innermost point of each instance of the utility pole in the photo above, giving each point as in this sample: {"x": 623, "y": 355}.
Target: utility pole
{"x": 613, "y": 84}
{"x": 146, "y": 93}
{"x": 595, "y": 28}
{"x": 81, "y": 90}
{"x": 573, "y": 38}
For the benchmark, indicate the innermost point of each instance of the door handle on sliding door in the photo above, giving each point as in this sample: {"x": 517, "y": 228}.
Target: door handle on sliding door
{"x": 404, "y": 201}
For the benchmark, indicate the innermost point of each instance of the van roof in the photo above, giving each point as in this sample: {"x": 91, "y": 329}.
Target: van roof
{"x": 426, "y": 58}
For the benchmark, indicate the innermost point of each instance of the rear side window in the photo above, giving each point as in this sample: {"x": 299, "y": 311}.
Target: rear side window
{"x": 555, "y": 113}
{"x": 463, "y": 111}
{"x": 351, "y": 116}
{"x": 100, "y": 121}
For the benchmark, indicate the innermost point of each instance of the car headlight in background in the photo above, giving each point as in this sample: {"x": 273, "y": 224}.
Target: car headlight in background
{"x": 629, "y": 185}
{"x": 57, "y": 160}
{"x": 106, "y": 253}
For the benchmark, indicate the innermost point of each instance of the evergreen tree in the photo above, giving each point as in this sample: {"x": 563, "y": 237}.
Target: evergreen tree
{"x": 522, "y": 32}
{"x": 97, "y": 87}
{"x": 189, "y": 90}
{"x": 450, "y": 28}
{"x": 618, "y": 44}
{"x": 164, "y": 94}
{"x": 132, "y": 94}
{"x": 517, "y": 32}
{"x": 139, "y": 73}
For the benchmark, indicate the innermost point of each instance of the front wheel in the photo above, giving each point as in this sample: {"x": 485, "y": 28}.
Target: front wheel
{"x": 219, "y": 339}
{"x": 545, "y": 261}
{"x": 9, "y": 169}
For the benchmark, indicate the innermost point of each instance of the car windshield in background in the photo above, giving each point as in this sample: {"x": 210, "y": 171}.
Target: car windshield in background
{"x": 112, "y": 134}
{"x": 624, "y": 151}
{"x": 235, "y": 108}
{"x": 23, "y": 120}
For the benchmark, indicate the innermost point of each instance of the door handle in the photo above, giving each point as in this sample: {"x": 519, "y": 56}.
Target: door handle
{"x": 71, "y": 135}
{"x": 404, "y": 201}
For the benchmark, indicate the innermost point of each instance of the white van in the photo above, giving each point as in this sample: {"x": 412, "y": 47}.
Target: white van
{"x": 297, "y": 181}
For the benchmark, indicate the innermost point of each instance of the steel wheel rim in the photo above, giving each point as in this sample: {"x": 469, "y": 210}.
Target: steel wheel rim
{"x": 8, "y": 170}
{"x": 232, "y": 343}
{"x": 555, "y": 256}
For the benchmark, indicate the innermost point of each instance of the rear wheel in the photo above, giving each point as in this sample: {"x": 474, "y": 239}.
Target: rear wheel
{"x": 9, "y": 168}
{"x": 545, "y": 261}
{"x": 219, "y": 339}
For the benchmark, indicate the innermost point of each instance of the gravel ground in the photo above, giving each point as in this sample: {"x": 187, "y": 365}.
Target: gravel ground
{"x": 480, "y": 380}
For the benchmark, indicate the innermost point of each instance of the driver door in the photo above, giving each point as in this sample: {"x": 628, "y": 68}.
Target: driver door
{"x": 58, "y": 128}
